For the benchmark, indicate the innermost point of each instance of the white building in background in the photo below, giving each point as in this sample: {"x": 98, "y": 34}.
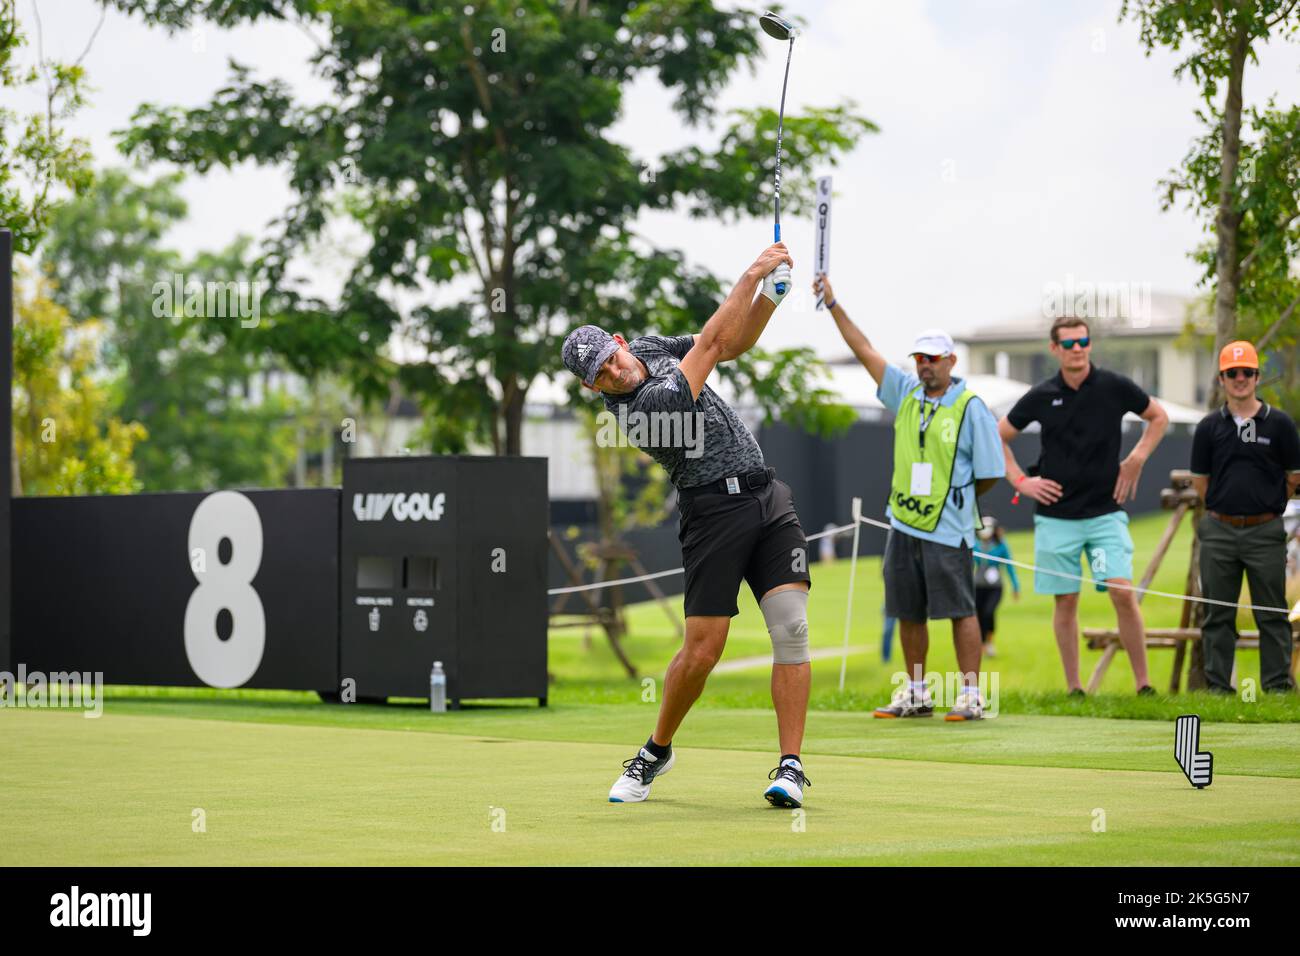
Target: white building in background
{"x": 552, "y": 432}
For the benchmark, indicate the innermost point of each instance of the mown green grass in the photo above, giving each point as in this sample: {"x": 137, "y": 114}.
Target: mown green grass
{"x": 1011, "y": 739}
{"x": 282, "y": 778}
{"x": 517, "y": 786}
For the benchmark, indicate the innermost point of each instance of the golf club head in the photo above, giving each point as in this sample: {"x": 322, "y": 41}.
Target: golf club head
{"x": 776, "y": 27}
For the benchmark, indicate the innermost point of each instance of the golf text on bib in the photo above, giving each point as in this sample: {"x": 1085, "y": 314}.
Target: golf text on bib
{"x": 923, "y": 469}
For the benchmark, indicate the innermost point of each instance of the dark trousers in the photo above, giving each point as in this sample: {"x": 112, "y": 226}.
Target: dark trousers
{"x": 1259, "y": 552}
{"x": 986, "y": 609}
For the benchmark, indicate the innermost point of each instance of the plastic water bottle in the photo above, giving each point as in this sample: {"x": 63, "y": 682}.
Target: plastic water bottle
{"x": 437, "y": 689}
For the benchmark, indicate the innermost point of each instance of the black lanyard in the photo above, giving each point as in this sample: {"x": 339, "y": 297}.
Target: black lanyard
{"x": 925, "y": 421}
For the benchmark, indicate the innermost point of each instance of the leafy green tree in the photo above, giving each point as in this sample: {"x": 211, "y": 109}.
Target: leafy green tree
{"x": 1242, "y": 175}
{"x": 106, "y": 248}
{"x": 38, "y": 159}
{"x": 66, "y": 441}
{"x": 195, "y": 381}
{"x": 473, "y": 143}
{"x": 227, "y": 401}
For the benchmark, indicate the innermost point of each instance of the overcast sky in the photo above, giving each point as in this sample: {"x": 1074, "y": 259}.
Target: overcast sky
{"x": 1021, "y": 142}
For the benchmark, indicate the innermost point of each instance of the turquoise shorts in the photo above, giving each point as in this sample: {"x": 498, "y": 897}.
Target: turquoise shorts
{"x": 1102, "y": 542}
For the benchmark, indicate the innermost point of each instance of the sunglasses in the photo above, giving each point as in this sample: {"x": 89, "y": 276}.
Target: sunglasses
{"x": 1069, "y": 344}
{"x": 1232, "y": 373}
{"x": 924, "y": 359}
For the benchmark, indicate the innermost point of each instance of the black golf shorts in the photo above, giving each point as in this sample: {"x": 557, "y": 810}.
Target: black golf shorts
{"x": 753, "y": 536}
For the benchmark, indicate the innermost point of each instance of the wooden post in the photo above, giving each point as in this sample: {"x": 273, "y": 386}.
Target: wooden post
{"x": 1191, "y": 612}
{"x": 1165, "y": 540}
{"x": 1099, "y": 671}
{"x": 600, "y": 613}
{"x": 653, "y": 587}
{"x": 1195, "y": 610}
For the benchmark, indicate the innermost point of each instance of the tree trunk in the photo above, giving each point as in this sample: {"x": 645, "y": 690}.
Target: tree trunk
{"x": 512, "y": 411}
{"x": 1228, "y": 258}
{"x": 608, "y": 486}
{"x": 508, "y": 428}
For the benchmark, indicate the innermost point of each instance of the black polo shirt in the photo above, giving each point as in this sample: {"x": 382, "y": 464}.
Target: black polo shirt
{"x": 1081, "y": 437}
{"x": 1246, "y": 477}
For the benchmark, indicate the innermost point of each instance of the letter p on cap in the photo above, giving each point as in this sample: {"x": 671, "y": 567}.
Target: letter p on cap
{"x": 1238, "y": 355}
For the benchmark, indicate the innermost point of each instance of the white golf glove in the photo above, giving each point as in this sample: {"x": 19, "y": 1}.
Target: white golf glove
{"x": 779, "y": 275}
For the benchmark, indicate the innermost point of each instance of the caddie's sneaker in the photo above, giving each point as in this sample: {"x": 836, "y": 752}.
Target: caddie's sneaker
{"x": 905, "y": 703}
{"x": 787, "y": 788}
{"x": 969, "y": 705}
{"x": 634, "y": 785}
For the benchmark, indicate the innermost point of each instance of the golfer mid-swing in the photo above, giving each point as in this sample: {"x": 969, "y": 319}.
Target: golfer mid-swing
{"x": 737, "y": 521}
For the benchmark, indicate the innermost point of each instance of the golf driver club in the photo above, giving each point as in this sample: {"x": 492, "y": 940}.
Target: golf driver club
{"x": 780, "y": 29}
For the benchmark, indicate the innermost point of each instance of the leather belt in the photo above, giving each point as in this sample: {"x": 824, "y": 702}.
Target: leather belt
{"x": 1241, "y": 521}
{"x": 733, "y": 485}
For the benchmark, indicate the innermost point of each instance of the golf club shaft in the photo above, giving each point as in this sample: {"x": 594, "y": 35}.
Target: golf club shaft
{"x": 780, "y": 129}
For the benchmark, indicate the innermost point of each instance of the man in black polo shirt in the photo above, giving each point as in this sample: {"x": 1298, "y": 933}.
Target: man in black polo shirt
{"x": 737, "y": 520}
{"x": 1080, "y": 484}
{"x": 1245, "y": 465}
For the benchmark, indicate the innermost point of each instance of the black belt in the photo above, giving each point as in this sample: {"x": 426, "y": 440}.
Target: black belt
{"x": 733, "y": 485}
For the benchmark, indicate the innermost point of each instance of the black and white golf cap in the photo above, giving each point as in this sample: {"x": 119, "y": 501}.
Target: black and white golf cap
{"x": 585, "y": 350}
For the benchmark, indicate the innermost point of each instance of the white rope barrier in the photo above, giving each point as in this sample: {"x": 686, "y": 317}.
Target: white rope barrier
{"x": 1118, "y": 587}
{"x": 852, "y": 526}
{"x": 862, "y": 519}
{"x": 609, "y": 584}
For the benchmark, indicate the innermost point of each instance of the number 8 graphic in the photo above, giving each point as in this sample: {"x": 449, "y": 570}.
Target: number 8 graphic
{"x": 229, "y": 663}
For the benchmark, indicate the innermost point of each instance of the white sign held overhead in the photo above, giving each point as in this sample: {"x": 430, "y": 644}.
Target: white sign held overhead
{"x": 822, "y": 259}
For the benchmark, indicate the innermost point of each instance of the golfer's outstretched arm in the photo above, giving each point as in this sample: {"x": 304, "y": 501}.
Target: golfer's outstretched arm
{"x": 760, "y": 310}
{"x": 725, "y": 332}
{"x": 860, "y": 345}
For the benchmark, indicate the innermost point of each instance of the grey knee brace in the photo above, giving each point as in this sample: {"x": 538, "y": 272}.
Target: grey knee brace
{"x": 786, "y": 614}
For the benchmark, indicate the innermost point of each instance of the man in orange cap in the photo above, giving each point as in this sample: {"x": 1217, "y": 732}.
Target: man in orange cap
{"x": 1245, "y": 465}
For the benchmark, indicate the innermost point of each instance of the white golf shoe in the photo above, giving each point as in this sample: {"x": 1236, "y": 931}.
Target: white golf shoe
{"x": 638, "y": 773}
{"x": 969, "y": 705}
{"x": 787, "y": 787}
{"x": 906, "y": 703}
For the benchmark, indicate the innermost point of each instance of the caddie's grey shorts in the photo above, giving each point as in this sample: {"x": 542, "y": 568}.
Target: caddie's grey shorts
{"x": 925, "y": 580}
